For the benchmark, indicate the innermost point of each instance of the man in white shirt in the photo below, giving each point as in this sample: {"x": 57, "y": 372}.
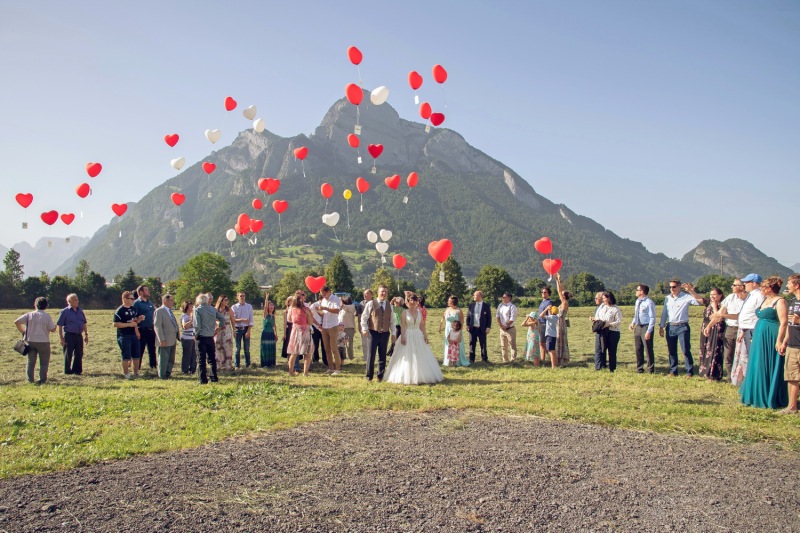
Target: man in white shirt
{"x": 747, "y": 314}
{"x": 316, "y": 334}
{"x": 328, "y": 309}
{"x": 506, "y": 318}
{"x": 675, "y": 318}
{"x": 729, "y": 311}
{"x": 243, "y": 316}
{"x": 365, "y": 340}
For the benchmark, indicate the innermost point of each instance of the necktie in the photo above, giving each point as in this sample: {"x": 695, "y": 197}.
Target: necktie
{"x": 636, "y": 314}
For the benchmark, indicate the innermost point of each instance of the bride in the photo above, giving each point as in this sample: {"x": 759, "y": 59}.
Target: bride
{"x": 413, "y": 362}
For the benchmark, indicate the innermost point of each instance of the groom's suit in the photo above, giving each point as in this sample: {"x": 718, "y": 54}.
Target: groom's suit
{"x": 378, "y": 319}
{"x": 477, "y": 328}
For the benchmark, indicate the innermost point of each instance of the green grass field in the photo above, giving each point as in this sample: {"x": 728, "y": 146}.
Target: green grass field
{"x": 73, "y": 421}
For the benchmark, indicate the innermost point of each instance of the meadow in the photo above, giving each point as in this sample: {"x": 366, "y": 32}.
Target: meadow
{"x": 78, "y": 420}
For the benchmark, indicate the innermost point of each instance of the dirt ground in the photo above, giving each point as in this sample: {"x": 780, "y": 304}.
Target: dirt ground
{"x": 440, "y": 471}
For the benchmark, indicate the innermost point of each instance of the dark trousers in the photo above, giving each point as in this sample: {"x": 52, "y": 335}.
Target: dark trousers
{"x": 599, "y": 354}
{"x": 378, "y": 343}
{"x": 205, "y": 346}
{"x": 729, "y": 347}
{"x": 679, "y": 335}
{"x": 610, "y": 343}
{"x": 189, "y": 359}
{"x": 396, "y": 340}
{"x": 477, "y": 335}
{"x": 147, "y": 339}
{"x": 73, "y": 353}
{"x": 641, "y": 344}
{"x": 240, "y": 332}
{"x": 316, "y": 336}
{"x": 287, "y": 334}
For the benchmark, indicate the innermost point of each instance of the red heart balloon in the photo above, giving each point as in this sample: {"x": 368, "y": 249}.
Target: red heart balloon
{"x": 301, "y": 153}
{"x": 257, "y": 203}
{"x": 50, "y": 217}
{"x": 24, "y": 199}
{"x": 543, "y": 245}
{"x": 393, "y": 182}
{"x": 172, "y": 139}
{"x": 412, "y": 179}
{"x": 353, "y": 93}
{"x": 398, "y": 261}
{"x": 230, "y": 104}
{"x": 326, "y": 190}
{"x": 273, "y": 184}
{"x": 177, "y": 198}
{"x": 209, "y": 167}
{"x": 439, "y": 74}
{"x": 375, "y": 150}
{"x": 239, "y": 230}
{"x": 414, "y": 79}
{"x": 362, "y": 185}
{"x": 256, "y": 225}
{"x": 119, "y": 209}
{"x": 83, "y": 190}
{"x": 315, "y": 284}
{"x": 354, "y": 55}
{"x": 425, "y": 110}
{"x": 353, "y": 140}
{"x": 551, "y": 266}
{"x": 280, "y": 206}
{"x": 440, "y": 250}
{"x": 93, "y": 169}
{"x": 67, "y": 218}
{"x": 437, "y": 118}
{"x": 244, "y": 222}
{"x": 262, "y": 184}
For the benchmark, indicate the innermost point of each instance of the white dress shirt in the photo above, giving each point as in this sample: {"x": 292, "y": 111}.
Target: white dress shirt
{"x": 747, "y": 315}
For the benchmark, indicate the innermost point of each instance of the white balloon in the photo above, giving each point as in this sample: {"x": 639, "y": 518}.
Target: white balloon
{"x": 331, "y": 219}
{"x": 250, "y": 112}
{"x": 379, "y": 95}
{"x": 230, "y": 235}
{"x": 372, "y": 237}
{"x": 177, "y": 164}
{"x": 258, "y": 125}
{"x": 386, "y": 234}
{"x": 213, "y": 135}
{"x": 382, "y": 247}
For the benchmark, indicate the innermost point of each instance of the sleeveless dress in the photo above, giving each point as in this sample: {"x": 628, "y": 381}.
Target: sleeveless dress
{"x": 453, "y": 349}
{"x": 562, "y": 345}
{"x": 712, "y": 347}
{"x": 413, "y": 363}
{"x": 532, "y": 352}
{"x": 451, "y": 316}
{"x": 268, "y": 347}
{"x": 764, "y": 385}
{"x": 224, "y": 344}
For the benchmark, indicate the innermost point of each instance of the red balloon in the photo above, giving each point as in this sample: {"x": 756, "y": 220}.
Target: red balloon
{"x": 93, "y": 169}
{"x": 355, "y": 56}
{"x": 354, "y": 93}
{"x": 393, "y": 182}
{"x": 425, "y": 110}
{"x": 551, "y": 266}
{"x": 412, "y": 179}
{"x": 256, "y": 225}
{"x": 398, "y": 261}
{"x": 315, "y": 284}
{"x": 375, "y": 150}
{"x": 171, "y": 140}
{"x": 209, "y": 167}
{"x": 414, "y": 79}
{"x": 230, "y": 104}
{"x": 362, "y": 185}
{"x": 238, "y": 229}
{"x": 280, "y": 206}
{"x": 119, "y": 209}
{"x": 244, "y": 222}
{"x": 353, "y": 140}
{"x": 83, "y": 190}
{"x": 437, "y": 118}
{"x": 440, "y": 250}
{"x": 326, "y": 190}
{"x": 301, "y": 153}
{"x": 257, "y": 203}
{"x": 262, "y": 184}
{"x": 67, "y": 218}
{"x": 543, "y": 245}
{"x": 177, "y": 198}
{"x": 439, "y": 74}
{"x": 24, "y": 199}
{"x": 50, "y": 217}
{"x": 273, "y": 184}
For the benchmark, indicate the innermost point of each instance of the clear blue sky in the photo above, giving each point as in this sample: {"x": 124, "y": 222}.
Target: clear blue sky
{"x": 667, "y": 122}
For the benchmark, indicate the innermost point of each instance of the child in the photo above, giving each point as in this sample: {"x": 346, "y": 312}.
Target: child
{"x": 454, "y": 343}
{"x": 342, "y": 341}
{"x": 551, "y": 333}
{"x": 532, "y": 352}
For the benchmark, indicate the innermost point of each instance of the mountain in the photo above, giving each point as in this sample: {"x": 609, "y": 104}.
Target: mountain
{"x": 47, "y": 254}
{"x": 3, "y": 250}
{"x": 491, "y": 214}
{"x": 795, "y": 267}
{"x": 735, "y": 257}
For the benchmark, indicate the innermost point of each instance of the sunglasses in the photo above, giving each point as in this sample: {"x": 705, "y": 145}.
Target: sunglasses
{"x": 674, "y": 286}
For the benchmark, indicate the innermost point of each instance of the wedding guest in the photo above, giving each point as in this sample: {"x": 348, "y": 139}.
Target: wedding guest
{"x": 731, "y": 306}
{"x": 188, "y": 344}
{"x": 166, "y": 328}
{"x": 37, "y": 326}
{"x": 301, "y": 343}
{"x": 269, "y": 334}
{"x": 748, "y": 319}
{"x": 287, "y": 326}
{"x": 790, "y": 344}
{"x": 546, "y": 303}
{"x": 611, "y": 315}
{"x": 347, "y": 316}
{"x": 451, "y": 314}
{"x": 397, "y": 308}
{"x": 223, "y": 337}
{"x": 71, "y": 324}
{"x": 328, "y": 310}
{"x": 550, "y": 316}
{"x": 506, "y": 318}
{"x": 243, "y": 322}
{"x": 599, "y": 356}
{"x": 206, "y": 318}
{"x": 562, "y": 342}
{"x": 365, "y": 339}
{"x": 532, "y": 351}
{"x": 711, "y": 354}
{"x": 643, "y": 326}
{"x": 675, "y": 318}
{"x": 147, "y": 335}
{"x": 126, "y": 320}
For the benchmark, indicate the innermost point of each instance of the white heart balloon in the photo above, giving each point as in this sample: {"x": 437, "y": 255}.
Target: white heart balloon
{"x": 331, "y": 219}
{"x": 230, "y": 235}
{"x": 258, "y": 125}
{"x": 379, "y": 95}
{"x": 372, "y": 237}
{"x": 178, "y": 163}
{"x": 382, "y": 247}
{"x": 250, "y": 112}
{"x": 213, "y": 135}
{"x": 385, "y": 234}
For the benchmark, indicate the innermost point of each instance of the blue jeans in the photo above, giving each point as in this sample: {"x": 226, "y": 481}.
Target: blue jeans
{"x": 239, "y": 336}
{"x": 679, "y": 335}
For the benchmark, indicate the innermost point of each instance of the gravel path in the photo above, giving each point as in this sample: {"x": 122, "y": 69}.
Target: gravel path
{"x": 441, "y": 471}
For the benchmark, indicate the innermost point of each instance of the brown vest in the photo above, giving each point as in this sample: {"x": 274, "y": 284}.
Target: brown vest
{"x": 380, "y": 320}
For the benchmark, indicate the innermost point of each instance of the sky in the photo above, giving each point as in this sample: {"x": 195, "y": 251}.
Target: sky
{"x": 666, "y": 122}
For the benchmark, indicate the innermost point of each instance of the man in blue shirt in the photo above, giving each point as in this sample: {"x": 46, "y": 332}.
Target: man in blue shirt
{"x": 546, "y": 303}
{"x": 71, "y": 324}
{"x": 147, "y": 335}
{"x": 643, "y": 325}
{"x": 675, "y": 318}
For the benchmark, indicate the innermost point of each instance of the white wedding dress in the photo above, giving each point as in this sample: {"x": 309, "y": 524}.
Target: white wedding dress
{"x": 413, "y": 363}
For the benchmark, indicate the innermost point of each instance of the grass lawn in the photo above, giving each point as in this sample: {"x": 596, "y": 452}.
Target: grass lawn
{"x": 78, "y": 420}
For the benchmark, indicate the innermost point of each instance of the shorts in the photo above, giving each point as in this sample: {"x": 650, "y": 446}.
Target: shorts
{"x": 550, "y": 343}
{"x": 791, "y": 367}
{"x": 129, "y": 346}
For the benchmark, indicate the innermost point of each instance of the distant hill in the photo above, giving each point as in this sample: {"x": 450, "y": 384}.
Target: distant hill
{"x": 47, "y": 254}
{"x": 795, "y": 267}
{"x": 735, "y": 257}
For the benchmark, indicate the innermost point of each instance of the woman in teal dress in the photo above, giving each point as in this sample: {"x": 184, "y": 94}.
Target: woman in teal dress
{"x": 269, "y": 335}
{"x": 451, "y": 314}
{"x": 764, "y": 385}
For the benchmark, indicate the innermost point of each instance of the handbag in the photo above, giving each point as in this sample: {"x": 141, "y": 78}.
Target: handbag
{"x": 598, "y": 325}
{"x": 22, "y": 346}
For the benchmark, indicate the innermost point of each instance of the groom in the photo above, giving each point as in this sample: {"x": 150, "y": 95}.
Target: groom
{"x": 479, "y": 321}
{"x": 377, "y": 325}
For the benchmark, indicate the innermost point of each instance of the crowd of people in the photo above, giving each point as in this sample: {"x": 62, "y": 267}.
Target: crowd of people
{"x": 754, "y": 333}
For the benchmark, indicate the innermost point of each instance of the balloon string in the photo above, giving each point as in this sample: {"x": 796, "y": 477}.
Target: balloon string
{"x": 334, "y": 234}
{"x": 358, "y": 116}
{"x": 280, "y": 229}
{"x": 444, "y": 95}
{"x": 362, "y": 203}
{"x": 303, "y": 165}
{"x": 360, "y": 81}
{"x": 348, "y": 214}
{"x": 326, "y": 205}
